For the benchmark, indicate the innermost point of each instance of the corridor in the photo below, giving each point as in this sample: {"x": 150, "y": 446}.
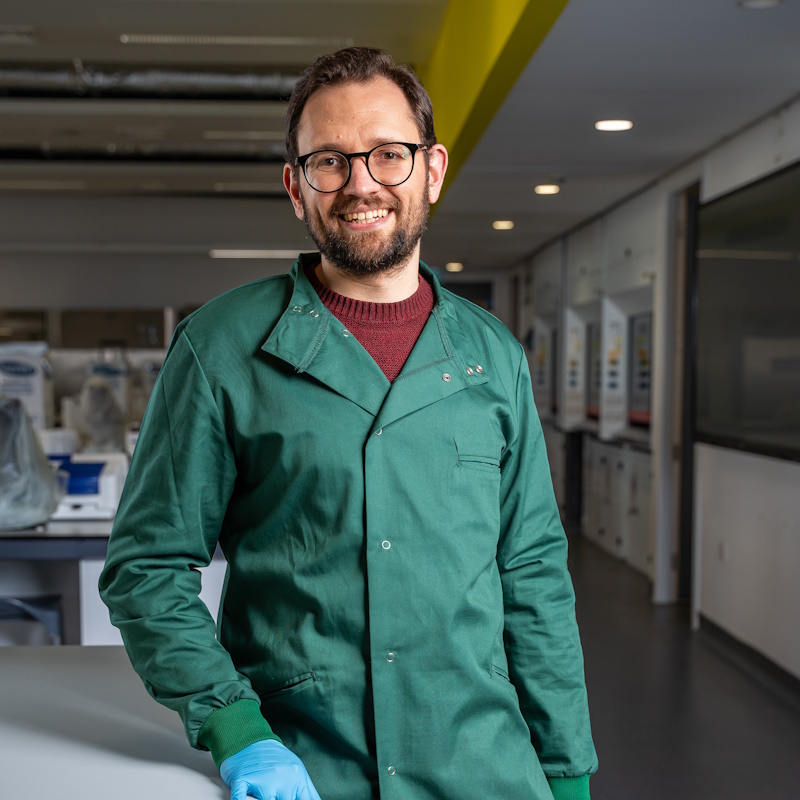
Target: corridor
{"x": 676, "y": 715}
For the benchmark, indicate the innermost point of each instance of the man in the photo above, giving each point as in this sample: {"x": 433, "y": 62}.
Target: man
{"x": 398, "y": 620}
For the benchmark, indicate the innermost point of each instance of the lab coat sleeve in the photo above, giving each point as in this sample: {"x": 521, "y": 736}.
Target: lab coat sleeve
{"x": 167, "y": 526}
{"x": 541, "y": 635}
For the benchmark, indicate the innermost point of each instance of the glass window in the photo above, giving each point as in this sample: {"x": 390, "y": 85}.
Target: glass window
{"x": 748, "y": 318}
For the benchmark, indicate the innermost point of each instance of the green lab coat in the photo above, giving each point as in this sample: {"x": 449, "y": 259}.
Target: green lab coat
{"x": 397, "y": 598}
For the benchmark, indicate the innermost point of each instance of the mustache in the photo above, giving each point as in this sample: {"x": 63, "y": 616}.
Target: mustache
{"x": 353, "y": 205}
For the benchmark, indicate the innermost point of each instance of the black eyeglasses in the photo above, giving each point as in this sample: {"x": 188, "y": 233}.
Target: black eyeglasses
{"x": 389, "y": 164}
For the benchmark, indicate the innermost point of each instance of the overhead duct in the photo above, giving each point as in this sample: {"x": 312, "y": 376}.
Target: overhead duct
{"x": 79, "y": 80}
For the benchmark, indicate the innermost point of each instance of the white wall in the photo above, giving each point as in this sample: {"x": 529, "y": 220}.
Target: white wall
{"x": 766, "y": 147}
{"x": 747, "y": 549}
{"x": 134, "y": 252}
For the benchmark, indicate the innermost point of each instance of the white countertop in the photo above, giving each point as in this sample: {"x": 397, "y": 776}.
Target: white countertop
{"x": 77, "y": 724}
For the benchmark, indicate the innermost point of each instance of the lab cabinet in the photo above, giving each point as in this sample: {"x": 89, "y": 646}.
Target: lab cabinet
{"x": 588, "y": 493}
{"x": 617, "y": 487}
{"x": 617, "y": 484}
{"x": 637, "y": 533}
{"x": 598, "y": 491}
{"x": 585, "y": 260}
{"x": 62, "y": 561}
{"x": 96, "y": 628}
{"x": 631, "y": 236}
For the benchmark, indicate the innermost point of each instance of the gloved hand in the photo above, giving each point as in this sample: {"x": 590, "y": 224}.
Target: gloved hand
{"x": 268, "y": 771}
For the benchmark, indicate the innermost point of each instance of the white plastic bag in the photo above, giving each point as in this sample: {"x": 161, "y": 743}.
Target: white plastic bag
{"x": 29, "y": 488}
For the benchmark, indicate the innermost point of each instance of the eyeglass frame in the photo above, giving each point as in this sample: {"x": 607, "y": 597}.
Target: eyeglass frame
{"x": 300, "y": 161}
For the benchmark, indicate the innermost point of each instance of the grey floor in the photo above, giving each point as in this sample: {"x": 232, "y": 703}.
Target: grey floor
{"x": 676, "y": 715}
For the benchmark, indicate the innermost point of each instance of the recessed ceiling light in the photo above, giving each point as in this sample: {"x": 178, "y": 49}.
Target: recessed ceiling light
{"x": 502, "y": 224}
{"x": 547, "y": 188}
{"x": 454, "y": 266}
{"x": 253, "y": 253}
{"x": 759, "y": 5}
{"x": 235, "y": 41}
{"x": 613, "y": 125}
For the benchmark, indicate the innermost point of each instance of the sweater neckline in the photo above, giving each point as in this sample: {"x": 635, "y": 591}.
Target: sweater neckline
{"x": 421, "y": 302}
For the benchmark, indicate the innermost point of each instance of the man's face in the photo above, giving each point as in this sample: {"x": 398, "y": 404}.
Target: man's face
{"x": 355, "y": 117}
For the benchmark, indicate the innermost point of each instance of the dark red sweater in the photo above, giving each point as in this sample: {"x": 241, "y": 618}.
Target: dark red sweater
{"x": 387, "y": 331}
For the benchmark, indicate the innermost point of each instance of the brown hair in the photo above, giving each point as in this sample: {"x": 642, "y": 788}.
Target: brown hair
{"x": 358, "y": 65}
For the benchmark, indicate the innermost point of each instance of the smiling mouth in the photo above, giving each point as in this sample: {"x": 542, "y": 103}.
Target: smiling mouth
{"x": 366, "y": 217}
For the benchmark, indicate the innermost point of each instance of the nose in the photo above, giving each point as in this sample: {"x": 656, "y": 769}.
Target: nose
{"x": 361, "y": 182}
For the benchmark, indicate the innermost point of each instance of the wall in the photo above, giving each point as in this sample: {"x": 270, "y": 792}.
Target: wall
{"x": 747, "y": 549}
{"x": 129, "y": 252}
{"x": 148, "y": 252}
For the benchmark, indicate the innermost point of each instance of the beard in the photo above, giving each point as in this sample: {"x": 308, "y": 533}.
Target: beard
{"x": 369, "y": 252}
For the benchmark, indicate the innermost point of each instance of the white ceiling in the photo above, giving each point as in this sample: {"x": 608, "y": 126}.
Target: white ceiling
{"x": 687, "y": 72}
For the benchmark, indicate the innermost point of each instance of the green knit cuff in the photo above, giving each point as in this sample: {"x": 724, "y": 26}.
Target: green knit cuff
{"x": 229, "y": 729}
{"x": 570, "y": 788}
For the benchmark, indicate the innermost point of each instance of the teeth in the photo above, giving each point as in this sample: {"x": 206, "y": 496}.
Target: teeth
{"x": 366, "y": 216}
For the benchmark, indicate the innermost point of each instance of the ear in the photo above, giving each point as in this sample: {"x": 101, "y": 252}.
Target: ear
{"x": 437, "y": 167}
{"x": 291, "y": 180}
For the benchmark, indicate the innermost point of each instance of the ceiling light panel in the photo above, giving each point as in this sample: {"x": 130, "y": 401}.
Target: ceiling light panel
{"x": 41, "y": 186}
{"x": 16, "y": 35}
{"x": 235, "y": 41}
{"x": 547, "y": 188}
{"x": 503, "y": 224}
{"x": 759, "y": 5}
{"x": 11, "y": 35}
{"x": 254, "y": 253}
{"x": 238, "y": 187}
{"x": 255, "y": 136}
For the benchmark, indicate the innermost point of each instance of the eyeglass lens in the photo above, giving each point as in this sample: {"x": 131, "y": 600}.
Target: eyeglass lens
{"x": 389, "y": 164}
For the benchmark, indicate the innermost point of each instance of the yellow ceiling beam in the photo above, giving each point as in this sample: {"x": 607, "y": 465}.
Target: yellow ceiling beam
{"x": 482, "y": 49}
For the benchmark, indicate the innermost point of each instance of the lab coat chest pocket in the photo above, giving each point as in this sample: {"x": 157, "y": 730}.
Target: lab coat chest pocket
{"x": 479, "y": 453}
{"x": 476, "y": 480}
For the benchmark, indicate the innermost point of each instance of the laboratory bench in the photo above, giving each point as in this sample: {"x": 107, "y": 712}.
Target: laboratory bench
{"x": 76, "y": 723}
{"x": 58, "y": 565}
{"x": 71, "y": 540}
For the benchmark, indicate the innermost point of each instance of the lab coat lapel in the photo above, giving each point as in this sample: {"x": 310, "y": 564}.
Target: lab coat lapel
{"x": 314, "y": 342}
{"x": 437, "y": 366}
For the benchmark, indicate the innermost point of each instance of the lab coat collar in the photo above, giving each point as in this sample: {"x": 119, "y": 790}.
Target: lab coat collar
{"x": 314, "y": 341}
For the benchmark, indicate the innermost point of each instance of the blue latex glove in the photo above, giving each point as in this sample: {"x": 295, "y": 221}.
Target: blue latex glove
{"x": 268, "y": 771}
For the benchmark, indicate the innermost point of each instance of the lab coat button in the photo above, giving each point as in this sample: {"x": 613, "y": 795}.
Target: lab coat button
{"x": 297, "y": 309}
{"x": 379, "y": 431}
{"x": 478, "y": 369}
{"x": 390, "y": 657}
{"x": 345, "y": 333}
{"x": 469, "y": 370}
{"x": 391, "y": 770}
{"x": 314, "y": 312}
{"x": 386, "y": 544}
{"x": 446, "y": 377}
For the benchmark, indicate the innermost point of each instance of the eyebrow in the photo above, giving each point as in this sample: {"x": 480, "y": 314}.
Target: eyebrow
{"x": 374, "y": 142}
